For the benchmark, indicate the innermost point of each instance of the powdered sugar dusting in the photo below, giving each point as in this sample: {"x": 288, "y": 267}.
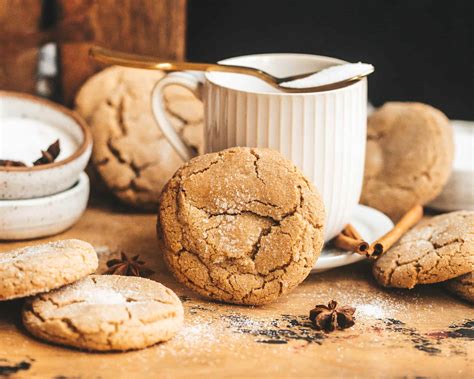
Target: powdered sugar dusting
{"x": 104, "y": 296}
{"x": 198, "y": 334}
{"x": 371, "y": 310}
{"x": 29, "y": 252}
{"x": 22, "y": 254}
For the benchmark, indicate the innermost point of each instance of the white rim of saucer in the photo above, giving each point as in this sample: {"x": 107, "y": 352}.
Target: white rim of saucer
{"x": 370, "y": 223}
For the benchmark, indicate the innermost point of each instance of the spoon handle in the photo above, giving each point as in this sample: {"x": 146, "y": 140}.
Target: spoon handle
{"x": 107, "y": 56}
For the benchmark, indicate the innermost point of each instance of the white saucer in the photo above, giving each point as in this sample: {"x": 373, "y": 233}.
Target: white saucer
{"x": 370, "y": 223}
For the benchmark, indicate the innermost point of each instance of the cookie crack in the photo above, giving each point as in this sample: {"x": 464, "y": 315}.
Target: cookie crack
{"x": 64, "y": 320}
{"x": 255, "y": 165}
{"x": 58, "y": 305}
{"x": 436, "y": 265}
{"x": 70, "y": 325}
{"x": 282, "y": 267}
{"x": 161, "y": 301}
{"x": 18, "y": 266}
{"x": 265, "y": 203}
{"x": 38, "y": 315}
{"x": 214, "y": 284}
{"x": 256, "y": 247}
{"x": 234, "y": 212}
{"x": 120, "y": 119}
{"x": 115, "y": 152}
{"x": 415, "y": 261}
{"x": 446, "y": 243}
{"x": 136, "y": 169}
{"x": 207, "y": 168}
{"x": 253, "y": 290}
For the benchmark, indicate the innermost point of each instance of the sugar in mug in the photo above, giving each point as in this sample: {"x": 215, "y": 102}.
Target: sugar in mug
{"x": 323, "y": 133}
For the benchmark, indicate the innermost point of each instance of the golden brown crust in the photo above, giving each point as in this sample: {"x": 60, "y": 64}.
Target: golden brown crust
{"x": 437, "y": 250}
{"x": 130, "y": 153}
{"x": 41, "y": 268}
{"x": 242, "y": 226}
{"x": 106, "y": 313}
{"x": 462, "y": 286}
{"x": 409, "y": 157}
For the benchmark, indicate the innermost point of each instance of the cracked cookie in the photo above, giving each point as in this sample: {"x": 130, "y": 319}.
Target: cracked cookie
{"x": 106, "y": 313}
{"x": 438, "y": 249}
{"x": 130, "y": 154}
{"x": 462, "y": 286}
{"x": 242, "y": 225}
{"x": 408, "y": 159}
{"x": 41, "y": 268}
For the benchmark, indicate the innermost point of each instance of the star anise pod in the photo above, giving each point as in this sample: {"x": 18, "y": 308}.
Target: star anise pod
{"x": 332, "y": 317}
{"x": 127, "y": 266}
{"x": 49, "y": 155}
{"x": 10, "y": 163}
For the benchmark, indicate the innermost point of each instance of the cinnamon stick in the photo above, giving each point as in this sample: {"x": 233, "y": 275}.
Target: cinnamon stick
{"x": 350, "y": 231}
{"x": 349, "y": 239}
{"x": 410, "y": 219}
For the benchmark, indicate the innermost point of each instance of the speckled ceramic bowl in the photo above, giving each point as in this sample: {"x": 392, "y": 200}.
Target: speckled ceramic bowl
{"x": 29, "y": 124}
{"x": 44, "y": 216}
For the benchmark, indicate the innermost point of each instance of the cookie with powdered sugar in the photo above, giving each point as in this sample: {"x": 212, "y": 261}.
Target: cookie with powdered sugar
{"x": 436, "y": 250}
{"x": 41, "y": 268}
{"x": 105, "y": 313}
{"x": 242, "y": 225}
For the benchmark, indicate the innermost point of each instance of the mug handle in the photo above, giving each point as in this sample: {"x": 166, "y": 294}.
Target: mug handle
{"x": 186, "y": 80}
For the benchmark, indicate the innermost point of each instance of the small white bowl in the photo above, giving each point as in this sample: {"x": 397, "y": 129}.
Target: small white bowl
{"x": 44, "y": 216}
{"x": 29, "y": 124}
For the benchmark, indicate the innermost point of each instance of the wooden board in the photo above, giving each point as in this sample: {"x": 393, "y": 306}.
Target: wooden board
{"x": 18, "y": 63}
{"x": 419, "y": 333}
{"x": 153, "y": 27}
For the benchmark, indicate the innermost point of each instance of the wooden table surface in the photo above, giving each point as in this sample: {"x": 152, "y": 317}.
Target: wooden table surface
{"x": 419, "y": 333}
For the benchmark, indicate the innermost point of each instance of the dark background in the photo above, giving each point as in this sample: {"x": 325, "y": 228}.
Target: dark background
{"x": 422, "y": 50}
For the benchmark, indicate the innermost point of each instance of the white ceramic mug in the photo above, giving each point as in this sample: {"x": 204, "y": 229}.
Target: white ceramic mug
{"x": 323, "y": 133}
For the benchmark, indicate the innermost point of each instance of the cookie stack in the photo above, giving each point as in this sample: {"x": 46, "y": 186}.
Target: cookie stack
{"x": 437, "y": 250}
{"x": 69, "y": 306}
{"x": 409, "y": 159}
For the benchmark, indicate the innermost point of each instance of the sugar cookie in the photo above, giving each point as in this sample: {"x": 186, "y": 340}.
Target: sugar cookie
{"x": 242, "y": 226}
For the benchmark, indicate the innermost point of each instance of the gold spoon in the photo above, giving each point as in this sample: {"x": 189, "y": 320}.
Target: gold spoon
{"x": 151, "y": 63}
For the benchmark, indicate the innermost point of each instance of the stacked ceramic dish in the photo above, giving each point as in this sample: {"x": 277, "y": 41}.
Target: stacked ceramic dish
{"x": 41, "y": 200}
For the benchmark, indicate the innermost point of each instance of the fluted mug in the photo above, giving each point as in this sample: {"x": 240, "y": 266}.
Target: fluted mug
{"x": 323, "y": 133}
